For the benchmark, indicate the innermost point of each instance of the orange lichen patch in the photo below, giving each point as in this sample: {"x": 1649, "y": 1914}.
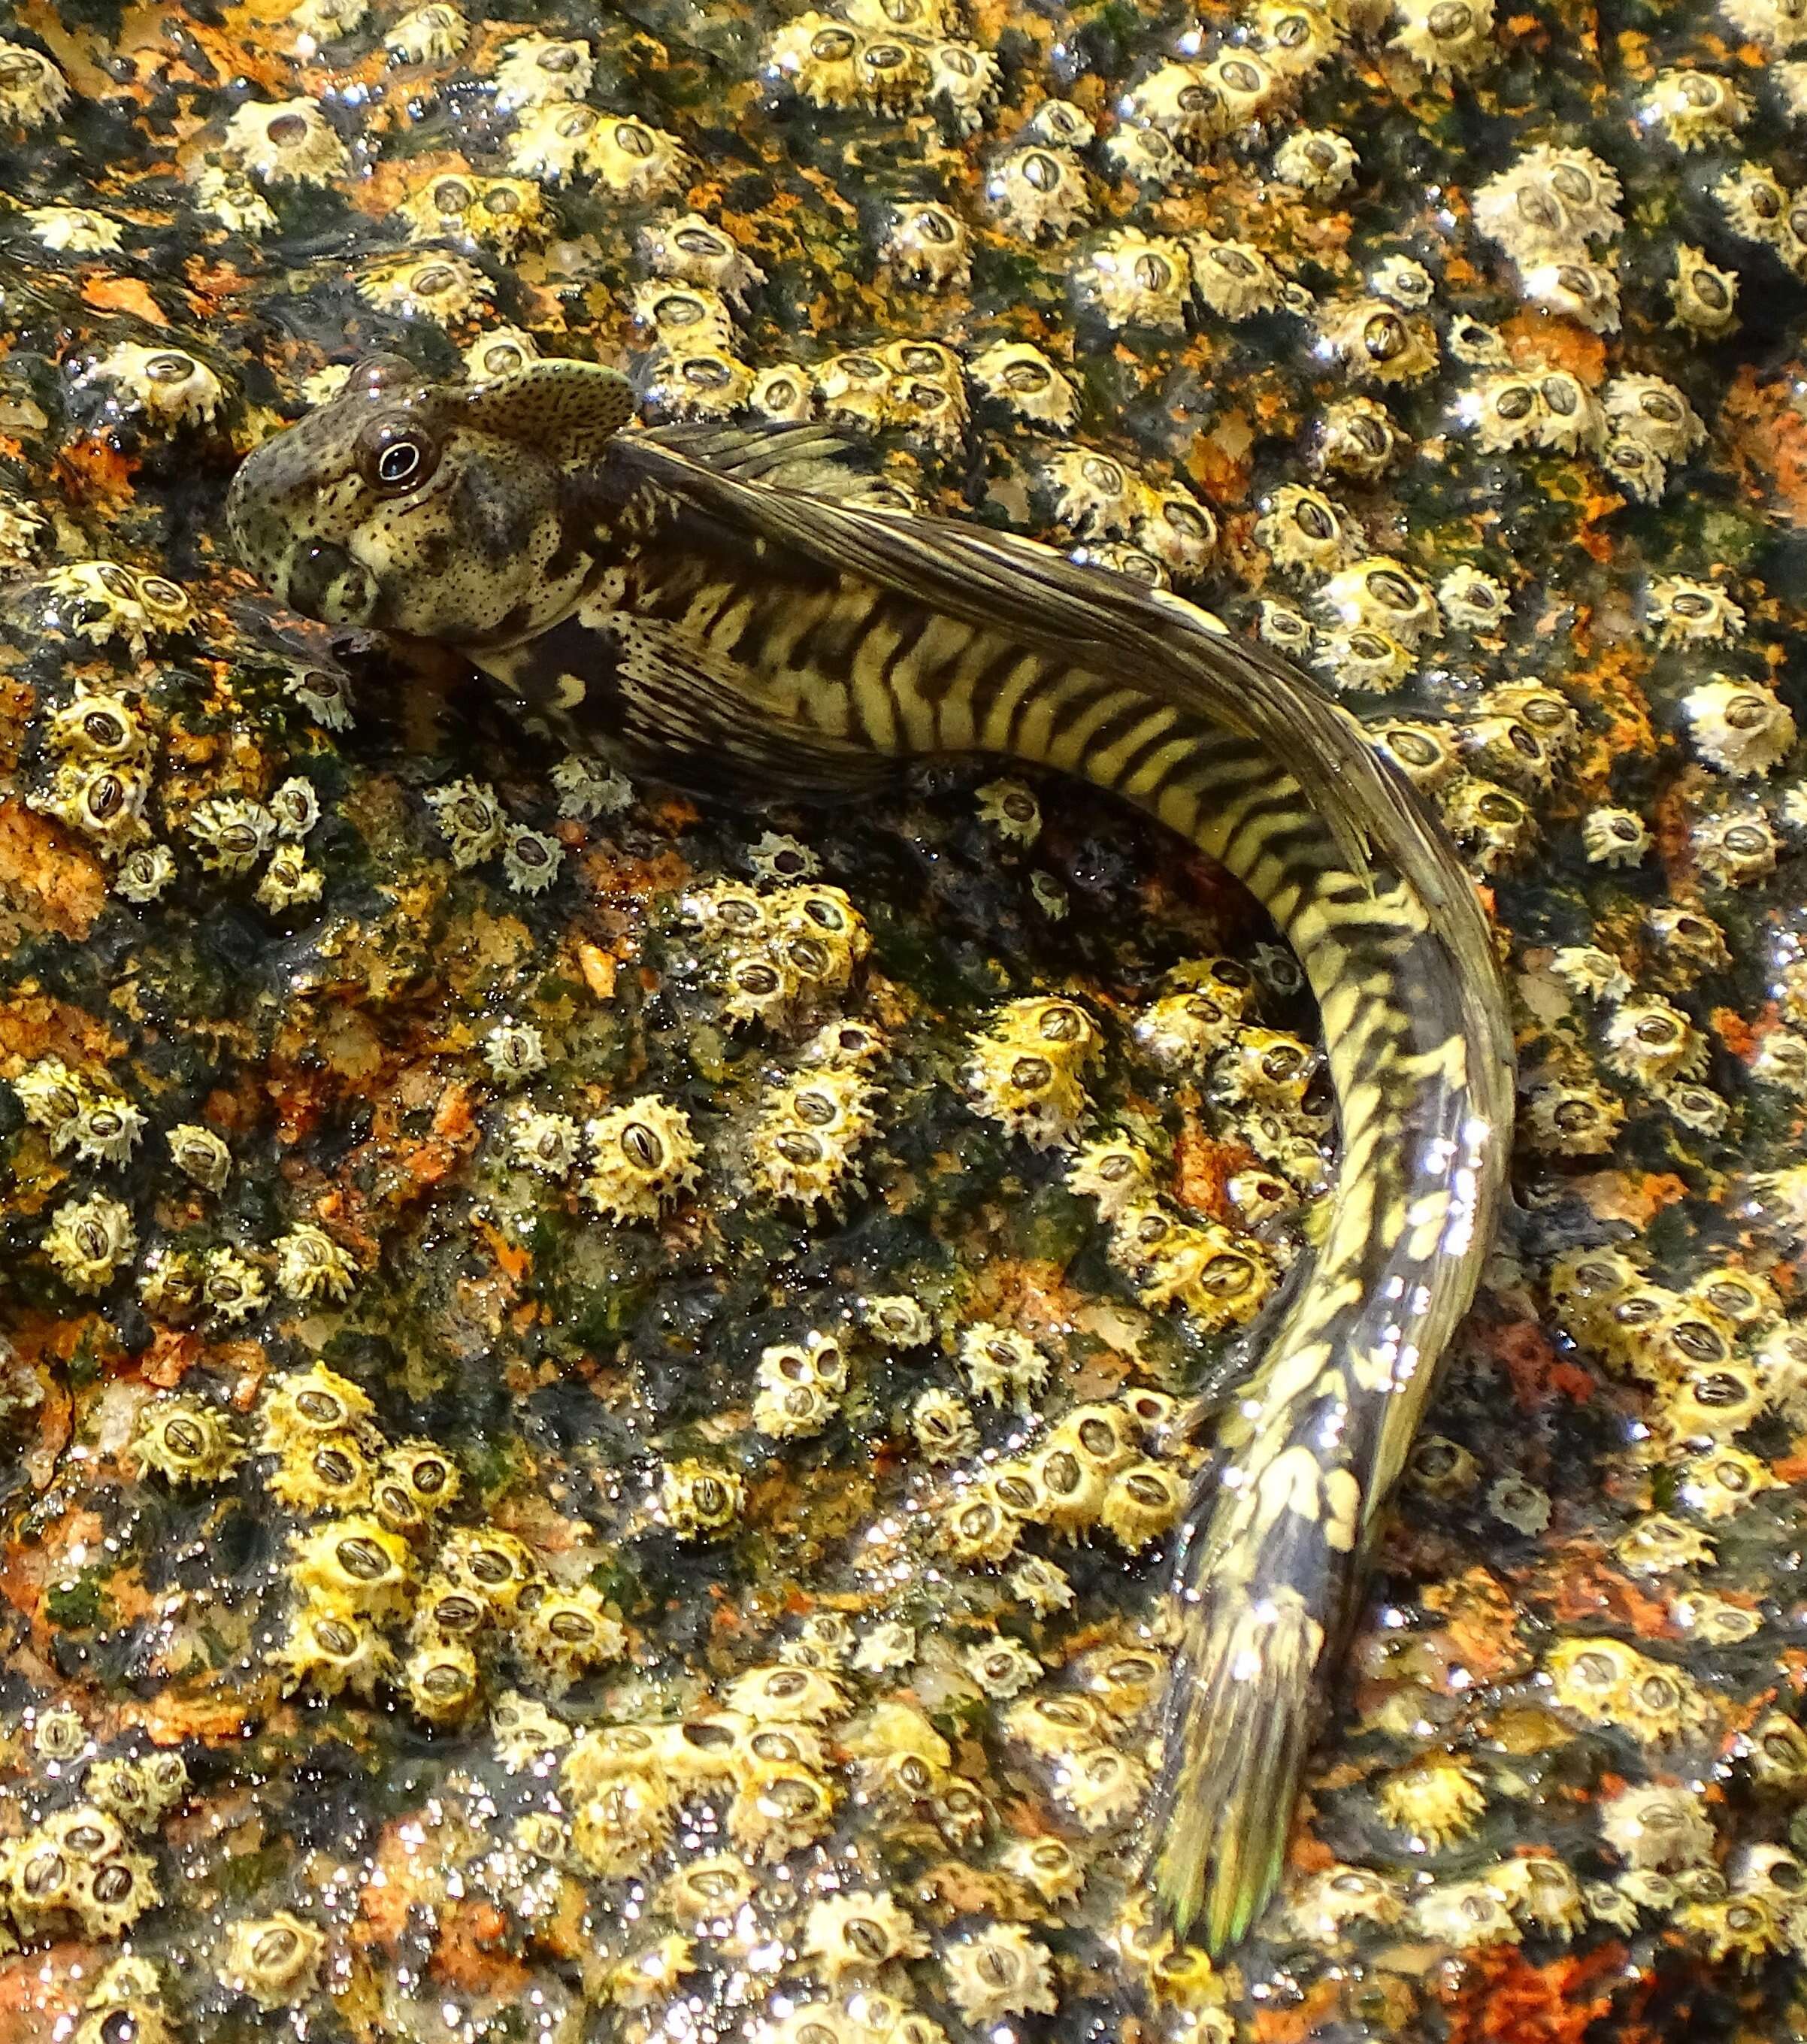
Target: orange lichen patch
{"x": 1500, "y": 1997}
{"x": 1582, "y": 1586}
{"x": 465, "y": 1957}
{"x": 1481, "y": 1624}
{"x": 1612, "y": 681}
{"x": 1203, "y": 1167}
{"x": 94, "y": 471}
{"x": 1304, "y": 2018}
{"x": 390, "y": 1890}
{"x": 598, "y": 970}
{"x": 123, "y": 294}
{"x": 511, "y": 1259}
{"x": 1538, "y": 337}
{"x": 1765, "y": 433}
{"x": 41, "y": 1993}
{"x": 55, "y": 1549}
{"x": 1025, "y": 1293}
{"x": 1739, "y": 1036}
{"x": 169, "y": 1358}
{"x": 1636, "y": 1196}
{"x": 1538, "y": 1372}
{"x": 46, "y": 875}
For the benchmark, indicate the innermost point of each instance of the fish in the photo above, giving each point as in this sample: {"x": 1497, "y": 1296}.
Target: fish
{"x": 718, "y": 603}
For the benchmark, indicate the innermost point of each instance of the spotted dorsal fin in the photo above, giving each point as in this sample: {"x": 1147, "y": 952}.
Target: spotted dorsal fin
{"x": 568, "y": 411}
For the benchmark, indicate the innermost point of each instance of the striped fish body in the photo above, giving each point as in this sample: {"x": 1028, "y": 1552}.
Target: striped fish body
{"x": 748, "y": 647}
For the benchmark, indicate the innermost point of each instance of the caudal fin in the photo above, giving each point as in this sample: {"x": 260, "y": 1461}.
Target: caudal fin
{"x": 1259, "y": 1601}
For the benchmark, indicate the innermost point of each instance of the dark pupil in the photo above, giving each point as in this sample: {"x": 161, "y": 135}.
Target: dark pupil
{"x": 397, "y": 463}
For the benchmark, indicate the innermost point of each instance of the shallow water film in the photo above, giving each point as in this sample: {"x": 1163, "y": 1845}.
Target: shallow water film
{"x": 591, "y": 1405}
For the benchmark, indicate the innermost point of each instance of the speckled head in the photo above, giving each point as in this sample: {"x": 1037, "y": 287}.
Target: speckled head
{"x": 432, "y": 509}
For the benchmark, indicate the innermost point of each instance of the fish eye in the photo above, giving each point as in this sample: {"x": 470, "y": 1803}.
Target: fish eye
{"x": 395, "y": 459}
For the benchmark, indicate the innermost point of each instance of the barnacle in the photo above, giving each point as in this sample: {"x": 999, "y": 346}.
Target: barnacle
{"x": 168, "y": 385}
{"x": 942, "y": 1425}
{"x": 971, "y": 1530}
{"x": 32, "y": 90}
{"x": 1440, "y": 35}
{"x": 548, "y": 1144}
{"x": 1745, "y": 1927}
{"x": 1657, "y": 1544}
{"x": 644, "y": 1155}
{"x": 1357, "y": 437}
{"x": 1112, "y": 1171}
{"x": 1573, "y": 1120}
{"x": 1012, "y": 810}
{"x": 1735, "y": 847}
{"x": 442, "y": 1680}
{"x": 1136, "y": 281}
{"x": 354, "y": 1564}
{"x": 438, "y": 286}
{"x": 105, "y": 804}
{"x": 1103, "y": 1787}
{"x": 308, "y": 1406}
{"x": 1686, "y": 610}
{"x": 927, "y": 244}
{"x": 631, "y": 159}
{"x": 513, "y": 1050}
{"x": 1438, "y": 1798}
{"x": 1569, "y": 417}
{"x": 1000, "y": 1363}
{"x": 494, "y": 213}
{"x": 107, "y": 1129}
{"x": 1586, "y": 970}
{"x": 779, "y": 1810}
{"x": 290, "y": 141}
{"x": 1693, "y": 108}
{"x": 1232, "y": 279}
{"x": 1316, "y": 160}
{"x": 235, "y": 1288}
{"x": 88, "y": 1240}
{"x": 1037, "y": 191}
{"x": 568, "y": 1633}
{"x": 1180, "y": 101}
{"x": 966, "y": 81}
{"x": 1705, "y": 299}
{"x": 1303, "y": 529}
{"x": 310, "y": 1265}
{"x": 496, "y": 354}
{"x": 1142, "y": 1502}
{"x": 323, "y": 694}
{"x": 1657, "y": 1827}
{"x": 331, "y": 1651}
{"x": 1363, "y": 657}
{"x": 1374, "y": 339}
{"x": 1041, "y": 1584}
{"x": 689, "y": 248}
{"x": 1587, "y": 293}
{"x": 1649, "y": 1040}
{"x": 1613, "y": 837}
{"x": 1505, "y": 409}
{"x": 999, "y": 1971}
{"x": 1378, "y": 592}
{"x": 185, "y": 1440}
{"x": 428, "y": 35}
{"x": 700, "y": 1501}
{"x": 809, "y": 1129}
{"x": 848, "y": 1936}
{"x": 1143, "y": 154}
{"x": 1003, "y": 1668}
{"x": 1739, "y": 726}
{"x": 331, "y": 1474}
{"x": 818, "y": 57}
{"x": 1720, "y": 1484}
{"x": 534, "y": 70}
{"x": 1522, "y": 1505}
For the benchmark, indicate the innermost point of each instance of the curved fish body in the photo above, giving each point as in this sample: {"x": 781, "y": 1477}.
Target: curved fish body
{"x": 706, "y": 597}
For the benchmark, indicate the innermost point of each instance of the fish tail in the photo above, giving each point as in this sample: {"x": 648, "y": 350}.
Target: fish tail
{"x": 1242, "y": 1709}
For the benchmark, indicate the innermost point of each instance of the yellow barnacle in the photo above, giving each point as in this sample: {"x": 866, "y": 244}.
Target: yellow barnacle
{"x": 329, "y": 1473}
{"x": 1746, "y": 1928}
{"x": 568, "y": 1633}
{"x": 1776, "y": 1748}
{"x": 1438, "y": 1798}
{"x": 426, "y": 1476}
{"x": 1070, "y": 1492}
{"x": 1541, "y": 1892}
{"x": 975, "y": 1528}
{"x": 490, "y": 1564}
{"x": 606, "y": 1753}
{"x": 354, "y": 1564}
{"x": 850, "y": 1934}
{"x": 1102, "y": 1436}
{"x": 809, "y": 1130}
{"x": 644, "y": 1155}
{"x": 782, "y": 1693}
{"x": 900, "y": 1755}
{"x": 1128, "y": 1682}
{"x": 761, "y": 1746}
{"x": 820, "y": 937}
{"x": 442, "y": 1681}
{"x": 700, "y": 1501}
{"x": 185, "y": 1440}
{"x": 1143, "y": 1502}
{"x": 1056, "y": 1724}
{"x": 1183, "y": 1977}
{"x": 778, "y": 1812}
{"x": 309, "y": 1405}
{"x": 617, "y": 1831}
{"x": 1589, "y": 1676}
{"x": 273, "y": 1959}
{"x": 330, "y": 1650}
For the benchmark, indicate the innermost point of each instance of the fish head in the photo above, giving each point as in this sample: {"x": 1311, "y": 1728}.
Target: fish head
{"x": 438, "y": 510}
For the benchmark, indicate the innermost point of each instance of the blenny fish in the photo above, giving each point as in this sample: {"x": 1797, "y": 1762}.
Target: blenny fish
{"x": 708, "y": 599}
